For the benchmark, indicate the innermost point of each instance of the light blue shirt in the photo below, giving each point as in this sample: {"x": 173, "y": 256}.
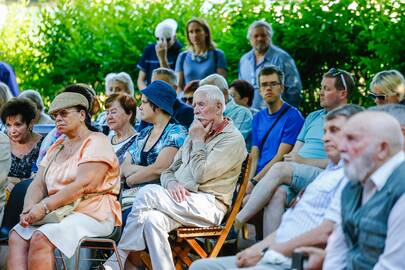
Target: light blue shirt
{"x": 311, "y": 135}
{"x": 242, "y": 119}
{"x": 198, "y": 67}
{"x": 249, "y": 69}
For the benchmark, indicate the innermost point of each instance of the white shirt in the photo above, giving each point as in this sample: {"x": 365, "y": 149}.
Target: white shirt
{"x": 392, "y": 257}
{"x": 313, "y": 207}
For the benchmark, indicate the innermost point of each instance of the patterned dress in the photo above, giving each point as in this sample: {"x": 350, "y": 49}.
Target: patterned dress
{"x": 23, "y": 167}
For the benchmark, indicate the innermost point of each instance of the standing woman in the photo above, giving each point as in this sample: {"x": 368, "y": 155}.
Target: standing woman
{"x": 18, "y": 115}
{"x": 202, "y": 58}
{"x": 79, "y": 165}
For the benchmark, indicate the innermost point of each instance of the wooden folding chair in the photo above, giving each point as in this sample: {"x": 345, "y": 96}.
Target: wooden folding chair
{"x": 185, "y": 237}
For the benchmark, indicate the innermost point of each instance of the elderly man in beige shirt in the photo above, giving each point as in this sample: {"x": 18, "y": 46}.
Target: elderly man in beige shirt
{"x": 5, "y": 163}
{"x": 197, "y": 188}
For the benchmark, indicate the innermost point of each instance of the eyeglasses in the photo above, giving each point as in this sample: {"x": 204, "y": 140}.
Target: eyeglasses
{"x": 336, "y": 72}
{"x": 187, "y": 99}
{"x": 161, "y": 39}
{"x": 63, "y": 113}
{"x": 272, "y": 85}
{"x": 380, "y": 97}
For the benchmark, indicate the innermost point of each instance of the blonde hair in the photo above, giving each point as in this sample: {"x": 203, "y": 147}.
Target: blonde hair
{"x": 391, "y": 82}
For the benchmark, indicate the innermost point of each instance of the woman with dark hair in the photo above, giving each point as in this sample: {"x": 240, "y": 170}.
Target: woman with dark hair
{"x": 121, "y": 113}
{"x": 202, "y": 58}
{"x": 80, "y": 167}
{"x": 189, "y": 90}
{"x": 156, "y": 145}
{"x": 242, "y": 92}
{"x": 18, "y": 115}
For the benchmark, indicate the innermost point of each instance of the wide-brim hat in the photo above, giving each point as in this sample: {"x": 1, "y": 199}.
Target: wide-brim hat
{"x": 66, "y": 100}
{"x": 162, "y": 95}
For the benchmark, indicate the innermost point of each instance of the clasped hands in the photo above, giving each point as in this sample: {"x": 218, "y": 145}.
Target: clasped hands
{"x": 32, "y": 215}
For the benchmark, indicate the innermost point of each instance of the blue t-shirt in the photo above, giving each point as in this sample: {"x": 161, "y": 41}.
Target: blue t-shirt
{"x": 149, "y": 60}
{"x": 198, "y": 67}
{"x": 311, "y": 135}
{"x": 285, "y": 131}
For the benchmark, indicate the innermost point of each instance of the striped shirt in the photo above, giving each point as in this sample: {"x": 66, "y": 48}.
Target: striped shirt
{"x": 314, "y": 206}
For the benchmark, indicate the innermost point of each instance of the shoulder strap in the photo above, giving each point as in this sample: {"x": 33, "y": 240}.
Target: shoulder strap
{"x": 271, "y": 127}
{"x": 182, "y": 59}
{"x": 216, "y": 59}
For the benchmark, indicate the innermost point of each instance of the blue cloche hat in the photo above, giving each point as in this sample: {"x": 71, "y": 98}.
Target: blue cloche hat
{"x": 161, "y": 94}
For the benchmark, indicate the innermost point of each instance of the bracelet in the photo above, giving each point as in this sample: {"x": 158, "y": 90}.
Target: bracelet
{"x": 254, "y": 181}
{"x": 264, "y": 251}
{"x": 45, "y": 207}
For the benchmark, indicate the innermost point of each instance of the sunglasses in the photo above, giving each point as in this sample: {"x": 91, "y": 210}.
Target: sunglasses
{"x": 187, "y": 99}
{"x": 336, "y": 72}
{"x": 375, "y": 96}
{"x": 63, "y": 113}
{"x": 167, "y": 39}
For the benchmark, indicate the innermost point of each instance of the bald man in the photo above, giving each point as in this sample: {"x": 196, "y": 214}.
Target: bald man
{"x": 373, "y": 202}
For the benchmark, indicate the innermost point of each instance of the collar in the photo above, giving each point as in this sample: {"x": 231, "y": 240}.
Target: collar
{"x": 220, "y": 128}
{"x": 332, "y": 166}
{"x": 381, "y": 175}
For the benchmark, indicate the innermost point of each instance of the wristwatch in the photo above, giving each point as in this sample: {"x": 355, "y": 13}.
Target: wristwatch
{"x": 45, "y": 207}
{"x": 253, "y": 181}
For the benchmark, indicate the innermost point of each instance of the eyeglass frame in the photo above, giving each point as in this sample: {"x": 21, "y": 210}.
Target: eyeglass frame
{"x": 335, "y": 72}
{"x": 272, "y": 85}
{"x": 63, "y": 113}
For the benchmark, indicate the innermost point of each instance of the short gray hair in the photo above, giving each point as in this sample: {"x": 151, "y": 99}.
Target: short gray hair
{"x": 120, "y": 77}
{"x": 216, "y": 80}
{"x": 347, "y": 111}
{"x": 213, "y": 93}
{"x": 257, "y": 24}
{"x": 35, "y": 97}
{"x": 395, "y": 110}
{"x": 168, "y": 72}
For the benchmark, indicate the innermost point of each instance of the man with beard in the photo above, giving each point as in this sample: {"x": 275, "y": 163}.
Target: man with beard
{"x": 373, "y": 202}
{"x": 197, "y": 188}
{"x": 265, "y": 53}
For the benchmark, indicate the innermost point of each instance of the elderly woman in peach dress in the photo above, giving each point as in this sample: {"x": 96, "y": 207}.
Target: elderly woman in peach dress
{"x": 80, "y": 165}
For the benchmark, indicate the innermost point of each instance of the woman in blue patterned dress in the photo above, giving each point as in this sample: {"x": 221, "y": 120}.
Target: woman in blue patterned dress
{"x": 156, "y": 145}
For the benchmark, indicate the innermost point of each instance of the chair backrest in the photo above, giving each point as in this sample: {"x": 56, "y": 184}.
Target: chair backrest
{"x": 236, "y": 204}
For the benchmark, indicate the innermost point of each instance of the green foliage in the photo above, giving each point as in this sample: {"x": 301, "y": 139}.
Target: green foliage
{"x": 82, "y": 41}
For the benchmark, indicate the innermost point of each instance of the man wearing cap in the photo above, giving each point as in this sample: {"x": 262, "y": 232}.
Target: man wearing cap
{"x": 163, "y": 53}
{"x": 241, "y": 116}
{"x": 197, "y": 188}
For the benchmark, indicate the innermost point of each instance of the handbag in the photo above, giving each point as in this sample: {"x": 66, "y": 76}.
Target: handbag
{"x": 57, "y": 215}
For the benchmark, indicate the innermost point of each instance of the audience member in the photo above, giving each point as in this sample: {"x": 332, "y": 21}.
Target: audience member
{"x": 163, "y": 53}
{"x": 202, "y": 58}
{"x": 5, "y": 163}
{"x": 387, "y": 87}
{"x": 181, "y": 111}
{"x": 371, "y": 232}
{"x": 88, "y": 92}
{"x": 5, "y": 96}
{"x": 41, "y": 117}
{"x": 263, "y": 53}
{"x": 18, "y": 114}
{"x": 310, "y": 221}
{"x": 305, "y": 161}
{"x": 197, "y": 188}
{"x": 115, "y": 82}
{"x": 242, "y": 92}
{"x": 121, "y": 113}
{"x": 156, "y": 145}
{"x": 7, "y": 76}
{"x": 274, "y": 129}
{"x": 189, "y": 90}
{"x": 80, "y": 167}
{"x": 241, "y": 116}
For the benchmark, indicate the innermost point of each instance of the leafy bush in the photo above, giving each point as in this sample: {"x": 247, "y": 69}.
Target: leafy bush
{"x": 82, "y": 41}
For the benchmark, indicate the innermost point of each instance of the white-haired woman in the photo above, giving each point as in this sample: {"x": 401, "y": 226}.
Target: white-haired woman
{"x": 114, "y": 83}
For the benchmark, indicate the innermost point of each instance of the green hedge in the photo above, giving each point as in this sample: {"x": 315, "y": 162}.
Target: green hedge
{"x": 83, "y": 40}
